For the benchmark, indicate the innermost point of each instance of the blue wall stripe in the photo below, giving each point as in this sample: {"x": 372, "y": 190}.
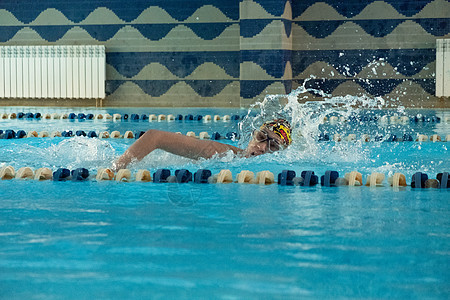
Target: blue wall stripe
{"x": 102, "y": 32}
{"x": 407, "y": 62}
{"x": 251, "y": 27}
{"x": 325, "y": 85}
{"x": 252, "y": 88}
{"x": 347, "y": 8}
{"x": 274, "y": 7}
{"x": 27, "y": 13}
{"x": 347, "y": 62}
{"x": 180, "y": 64}
{"x": 287, "y": 27}
{"x": 51, "y": 33}
{"x": 208, "y": 88}
{"x": 208, "y": 31}
{"x": 374, "y": 87}
{"x": 379, "y": 87}
{"x": 248, "y": 28}
{"x": 351, "y": 8}
{"x": 436, "y": 27}
{"x": 7, "y": 32}
{"x": 157, "y": 88}
{"x": 272, "y": 61}
{"x": 376, "y": 28}
{"x": 319, "y": 29}
{"x": 154, "y": 32}
{"x": 112, "y": 85}
{"x": 78, "y": 10}
{"x": 428, "y": 84}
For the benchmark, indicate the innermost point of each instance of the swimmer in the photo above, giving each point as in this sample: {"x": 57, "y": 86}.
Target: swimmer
{"x": 270, "y": 137}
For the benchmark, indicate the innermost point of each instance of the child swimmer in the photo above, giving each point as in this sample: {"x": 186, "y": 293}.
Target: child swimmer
{"x": 270, "y": 137}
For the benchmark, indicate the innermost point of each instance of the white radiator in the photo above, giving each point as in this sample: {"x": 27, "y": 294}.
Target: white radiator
{"x": 443, "y": 67}
{"x": 52, "y": 72}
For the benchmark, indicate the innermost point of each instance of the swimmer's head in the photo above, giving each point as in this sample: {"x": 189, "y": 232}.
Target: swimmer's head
{"x": 282, "y": 128}
{"x": 272, "y": 136}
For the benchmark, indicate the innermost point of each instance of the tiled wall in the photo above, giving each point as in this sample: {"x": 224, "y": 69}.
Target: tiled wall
{"x": 232, "y": 53}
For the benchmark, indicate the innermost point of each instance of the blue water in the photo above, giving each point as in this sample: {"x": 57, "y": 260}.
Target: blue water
{"x": 85, "y": 240}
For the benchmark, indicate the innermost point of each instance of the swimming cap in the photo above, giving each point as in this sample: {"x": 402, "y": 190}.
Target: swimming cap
{"x": 281, "y": 127}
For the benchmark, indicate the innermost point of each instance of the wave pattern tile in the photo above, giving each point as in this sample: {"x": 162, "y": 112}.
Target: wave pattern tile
{"x": 241, "y": 50}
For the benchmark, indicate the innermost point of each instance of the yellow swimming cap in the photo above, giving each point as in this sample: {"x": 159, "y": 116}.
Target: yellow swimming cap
{"x": 281, "y": 127}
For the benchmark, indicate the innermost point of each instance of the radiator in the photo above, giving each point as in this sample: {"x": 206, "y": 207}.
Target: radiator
{"x": 52, "y": 72}
{"x": 443, "y": 67}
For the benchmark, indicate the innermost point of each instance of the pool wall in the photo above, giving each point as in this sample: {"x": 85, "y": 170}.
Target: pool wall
{"x": 233, "y": 53}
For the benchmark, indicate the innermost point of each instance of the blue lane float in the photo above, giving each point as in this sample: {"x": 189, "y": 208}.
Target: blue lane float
{"x": 80, "y": 174}
{"x": 216, "y": 136}
{"x": 392, "y": 138}
{"x": 378, "y": 138}
{"x": 202, "y": 175}
{"x": 8, "y": 134}
{"x": 20, "y": 134}
{"x": 183, "y": 176}
{"x": 286, "y": 177}
{"x": 67, "y": 133}
{"x": 418, "y": 180}
{"x": 161, "y": 175}
{"x": 62, "y": 174}
{"x": 444, "y": 180}
{"x": 309, "y": 179}
{"x": 232, "y": 136}
{"x": 92, "y": 134}
{"x": 329, "y": 179}
{"x": 138, "y": 134}
{"x": 80, "y": 133}
{"x": 407, "y": 138}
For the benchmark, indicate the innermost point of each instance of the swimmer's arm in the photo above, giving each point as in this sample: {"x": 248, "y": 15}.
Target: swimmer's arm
{"x": 174, "y": 143}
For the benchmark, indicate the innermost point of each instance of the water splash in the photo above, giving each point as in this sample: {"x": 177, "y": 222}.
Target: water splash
{"x": 71, "y": 153}
{"x": 307, "y": 122}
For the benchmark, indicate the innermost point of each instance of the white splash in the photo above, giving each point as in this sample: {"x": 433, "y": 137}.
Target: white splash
{"x": 306, "y": 120}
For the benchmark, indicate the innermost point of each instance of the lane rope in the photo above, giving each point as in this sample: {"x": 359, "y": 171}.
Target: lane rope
{"x": 11, "y": 134}
{"x": 332, "y": 119}
{"x": 307, "y": 178}
{"x": 119, "y": 117}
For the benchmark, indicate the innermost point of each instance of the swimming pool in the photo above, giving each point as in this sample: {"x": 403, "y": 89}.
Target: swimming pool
{"x": 132, "y": 239}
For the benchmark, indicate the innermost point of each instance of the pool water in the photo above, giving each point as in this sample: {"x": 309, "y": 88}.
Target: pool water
{"x": 115, "y": 240}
